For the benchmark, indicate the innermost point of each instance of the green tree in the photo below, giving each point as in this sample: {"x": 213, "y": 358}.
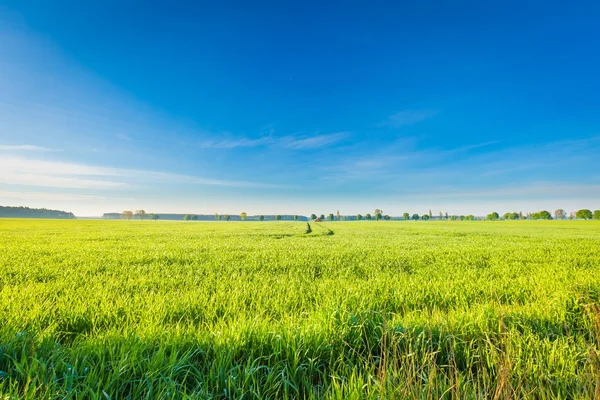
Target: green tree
{"x": 387, "y": 217}
{"x": 430, "y": 214}
{"x": 187, "y": 217}
{"x": 194, "y": 218}
{"x": 295, "y": 218}
{"x": 368, "y": 217}
{"x": 313, "y": 216}
{"x": 338, "y": 216}
{"x": 508, "y": 215}
{"x": 584, "y": 214}
{"x": 217, "y": 217}
{"x": 227, "y": 217}
{"x": 359, "y": 217}
{"x": 470, "y": 217}
{"x": 406, "y": 216}
{"x": 596, "y": 214}
{"x": 322, "y": 217}
{"x": 127, "y": 214}
{"x": 415, "y": 217}
{"x": 446, "y": 216}
{"x": 462, "y": 217}
{"x": 243, "y": 215}
{"x": 141, "y": 214}
{"x": 425, "y": 217}
{"x": 278, "y": 217}
{"x": 262, "y": 218}
{"x": 378, "y": 215}
{"x": 153, "y": 216}
{"x": 330, "y": 217}
{"x": 542, "y": 215}
{"x": 493, "y": 216}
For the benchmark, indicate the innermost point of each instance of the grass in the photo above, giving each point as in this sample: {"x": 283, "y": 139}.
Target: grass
{"x": 167, "y": 310}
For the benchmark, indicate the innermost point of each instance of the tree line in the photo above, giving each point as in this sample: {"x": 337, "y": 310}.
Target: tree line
{"x": 26, "y": 212}
{"x": 377, "y": 215}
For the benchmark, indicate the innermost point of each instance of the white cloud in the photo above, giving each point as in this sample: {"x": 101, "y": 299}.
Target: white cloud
{"x": 289, "y": 142}
{"x": 24, "y": 147}
{"x": 314, "y": 141}
{"x": 235, "y": 143}
{"x": 30, "y": 172}
{"x": 48, "y": 196}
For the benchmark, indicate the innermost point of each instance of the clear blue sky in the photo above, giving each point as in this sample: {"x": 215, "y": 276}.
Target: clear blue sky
{"x": 460, "y": 107}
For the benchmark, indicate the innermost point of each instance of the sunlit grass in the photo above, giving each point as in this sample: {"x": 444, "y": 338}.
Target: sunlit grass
{"x": 124, "y": 309}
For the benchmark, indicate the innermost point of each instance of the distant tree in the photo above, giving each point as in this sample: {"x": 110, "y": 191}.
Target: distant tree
{"x": 596, "y": 214}
{"x": 520, "y": 215}
{"x": 560, "y": 214}
{"x": 493, "y": 216}
{"x": 141, "y": 214}
{"x": 330, "y": 217}
{"x": 187, "y": 217}
{"x": 441, "y": 216}
{"x": 313, "y": 216}
{"x": 359, "y": 217}
{"x": 510, "y": 216}
{"x": 278, "y": 217}
{"x": 262, "y": 218}
{"x": 378, "y": 214}
{"x": 571, "y": 215}
{"x": 462, "y": 217}
{"x": 470, "y": 217}
{"x": 338, "y": 216}
{"x": 406, "y": 216}
{"x": 584, "y": 214}
{"x": 243, "y": 216}
{"x": 127, "y": 214}
{"x": 295, "y": 218}
{"x": 322, "y": 217}
{"x": 415, "y": 217}
{"x": 368, "y": 217}
{"x": 446, "y": 216}
{"x": 227, "y": 217}
{"x": 430, "y": 215}
{"x": 217, "y": 217}
{"x": 542, "y": 215}
{"x": 194, "y": 218}
{"x": 425, "y": 217}
{"x": 453, "y": 218}
{"x": 378, "y": 211}
{"x": 153, "y": 216}
{"x": 387, "y": 217}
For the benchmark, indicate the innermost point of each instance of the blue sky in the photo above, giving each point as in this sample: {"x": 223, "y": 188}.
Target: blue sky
{"x": 464, "y": 107}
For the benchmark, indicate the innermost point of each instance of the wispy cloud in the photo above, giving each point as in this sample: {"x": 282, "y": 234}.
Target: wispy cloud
{"x": 315, "y": 141}
{"x": 407, "y": 117}
{"x": 31, "y": 172}
{"x": 299, "y": 142}
{"x": 25, "y": 147}
{"x": 235, "y": 143}
{"x": 48, "y": 196}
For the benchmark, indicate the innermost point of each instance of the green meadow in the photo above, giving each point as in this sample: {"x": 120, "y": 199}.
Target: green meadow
{"x": 352, "y": 310}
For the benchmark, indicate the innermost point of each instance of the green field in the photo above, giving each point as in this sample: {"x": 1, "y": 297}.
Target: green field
{"x": 124, "y": 309}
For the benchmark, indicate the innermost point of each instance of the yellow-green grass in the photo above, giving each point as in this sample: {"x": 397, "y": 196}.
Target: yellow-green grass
{"x": 141, "y": 309}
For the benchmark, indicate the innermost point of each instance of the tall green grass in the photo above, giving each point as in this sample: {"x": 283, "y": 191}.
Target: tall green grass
{"x": 147, "y": 310}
